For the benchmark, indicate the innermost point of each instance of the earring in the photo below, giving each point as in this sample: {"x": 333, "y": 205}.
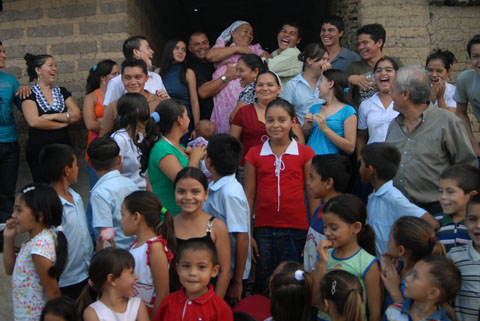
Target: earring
{"x": 309, "y": 63}
{"x": 104, "y": 82}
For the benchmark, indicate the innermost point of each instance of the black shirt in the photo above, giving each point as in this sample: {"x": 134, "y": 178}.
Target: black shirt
{"x": 203, "y": 72}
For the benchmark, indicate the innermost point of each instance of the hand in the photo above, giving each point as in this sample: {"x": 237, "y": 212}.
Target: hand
{"x": 437, "y": 90}
{"x": 162, "y": 94}
{"x": 198, "y": 153}
{"x": 51, "y": 117}
{"x": 321, "y": 121}
{"x": 389, "y": 274}
{"x": 266, "y": 54}
{"x": 23, "y": 91}
{"x": 231, "y": 72}
{"x": 255, "y": 253}
{"x": 9, "y": 232}
{"x": 363, "y": 82}
{"x": 244, "y": 50}
{"x": 308, "y": 121}
{"x": 326, "y": 66}
{"x": 322, "y": 251}
{"x": 234, "y": 294}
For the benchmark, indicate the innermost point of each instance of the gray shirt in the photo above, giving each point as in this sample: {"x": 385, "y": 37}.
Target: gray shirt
{"x": 344, "y": 58}
{"x": 436, "y": 143}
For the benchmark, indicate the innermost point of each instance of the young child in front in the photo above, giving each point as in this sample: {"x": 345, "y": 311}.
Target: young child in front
{"x": 60, "y": 309}
{"x": 276, "y": 176}
{"x": 36, "y": 268}
{"x": 457, "y": 184}
{"x": 379, "y": 165}
{"x": 227, "y": 202}
{"x": 107, "y": 195}
{"x": 59, "y": 166}
{"x": 350, "y": 246}
{"x": 467, "y": 259}
{"x": 329, "y": 177}
{"x": 144, "y": 216}
{"x": 109, "y": 292}
{"x": 435, "y": 280}
{"x": 196, "y": 265}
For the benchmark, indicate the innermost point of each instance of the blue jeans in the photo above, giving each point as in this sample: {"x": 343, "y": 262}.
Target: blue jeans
{"x": 276, "y": 245}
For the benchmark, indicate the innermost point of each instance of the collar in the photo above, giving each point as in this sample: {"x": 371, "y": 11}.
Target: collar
{"x": 75, "y": 198}
{"x": 440, "y": 314}
{"x": 342, "y": 54}
{"x": 204, "y": 298}
{"x": 292, "y": 149}
{"x": 384, "y": 188}
{"x": 422, "y": 117}
{"x": 109, "y": 175}
{"x": 472, "y": 252}
{"x": 214, "y": 186}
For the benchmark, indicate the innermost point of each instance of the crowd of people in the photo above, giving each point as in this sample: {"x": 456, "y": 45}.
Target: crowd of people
{"x": 235, "y": 184}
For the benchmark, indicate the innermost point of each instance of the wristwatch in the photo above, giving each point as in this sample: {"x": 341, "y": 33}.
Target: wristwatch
{"x": 224, "y": 79}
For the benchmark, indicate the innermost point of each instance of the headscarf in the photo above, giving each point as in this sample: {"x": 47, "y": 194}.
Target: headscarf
{"x": 226, "y": 35}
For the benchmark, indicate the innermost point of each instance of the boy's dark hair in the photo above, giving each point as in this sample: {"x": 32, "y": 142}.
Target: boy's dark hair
{"x": 225, "y": 152}
{"x": 334, "y": 166}
{"x": 132, "y": 62}
{"x": 474, "y": 200}
{"x": 474, "y": 41}
{"x": 199, "y": 244}
{"x": 445, "y": 275}
{"x": 130, "y": 44}
{"x": 103, "y": 153}
{"x": 63, "y": 307}
{"x": 375, "y": 31}
{"x": 53, "y": 159}
{"x": 466, "y": 176}
{"x": 336, "y": 21}
{"x": 383, "y": 157}
{"x": 294, "y": 24}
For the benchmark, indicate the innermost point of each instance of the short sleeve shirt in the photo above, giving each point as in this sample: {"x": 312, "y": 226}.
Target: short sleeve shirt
{"x": 374, "y": 117}
{"x": 451, "y": 234}
{"x": 468, "y": 90}
{"x": 8, "y": 88}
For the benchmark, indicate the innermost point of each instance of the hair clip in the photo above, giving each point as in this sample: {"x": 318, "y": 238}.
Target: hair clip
{"x": 299, "y": 275}
{"x": 94, "y": 68}
{"x": 59, "y": 228}
{"x": 345, "y": 90}
{"x": 28, "y": 189}
{"x": 334, "y": 285}
{"x": 163, "y": 211}
{"x": 156, "y": 117}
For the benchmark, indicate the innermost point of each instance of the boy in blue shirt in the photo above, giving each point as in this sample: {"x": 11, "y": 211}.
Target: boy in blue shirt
{"x": 107, "y": 195}
{"x": 227, "y": 201}
{"x": 60, "y": 168}
{"x": 379, "y": 165}
{"x": 458, "y": 184}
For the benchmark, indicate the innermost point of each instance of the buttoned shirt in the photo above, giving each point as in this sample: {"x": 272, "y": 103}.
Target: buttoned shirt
{"x": 285, "y": 64}
{"x": 373, "y": 116}
{"x": 344, "y": 58}
{"x": 401, "y": 312}
{"x": 436, "y": 143}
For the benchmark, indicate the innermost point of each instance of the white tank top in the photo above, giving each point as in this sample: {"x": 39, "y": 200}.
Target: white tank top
{"x": 105, "y": 314}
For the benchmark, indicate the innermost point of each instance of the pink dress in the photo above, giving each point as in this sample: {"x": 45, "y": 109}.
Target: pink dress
{"x": 226, "y": 100}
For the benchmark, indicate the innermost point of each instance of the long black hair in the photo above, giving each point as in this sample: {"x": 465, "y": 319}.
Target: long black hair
{"x": 102, "y": 69}
{"x": 132, "y": 108}
{"x": 34, "y": 61}
{"x": 168, "y": 60}
{"x": 340, "y": 80}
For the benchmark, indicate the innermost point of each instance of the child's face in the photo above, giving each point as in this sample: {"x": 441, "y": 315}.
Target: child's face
{"x": 126, "y": 281}
{"x": 393, "y": 248}
{"x": 318, "y": 187}
{"x": 472, "y": 222}
{"x": 278, "y": 123}
{"x": 53, "y": 317}
{"x": 127, "y": 222}
{"x": 23, "y": 216}
{"x": 452, "y": 198}
{"x": 73, "y": 170}
{"x": 418, "y": 285}
{"x": 475, "y": 57}
{"x": 195, "y": 269}
{"x": 363, "y": 171}
{"x": 190, "y": 195}
{"x": 339, "y": 232}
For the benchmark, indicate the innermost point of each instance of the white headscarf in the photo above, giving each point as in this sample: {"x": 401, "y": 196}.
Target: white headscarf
{"x": 226, "y": 35}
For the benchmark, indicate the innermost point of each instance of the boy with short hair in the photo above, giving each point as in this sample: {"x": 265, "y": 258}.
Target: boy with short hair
{"x": 197, "y": 299}
{"x": 329, "y": 176}
{"x": 379, "y": 165}
{"x": 467, "y": 258}
{"x": 227, "y": 201}
{"x": 59, "y": 167}
{"x": 458, "y": 184}
{"x": 107, "y": 195}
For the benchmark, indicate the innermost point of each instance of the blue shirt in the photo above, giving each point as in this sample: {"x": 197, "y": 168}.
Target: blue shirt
{"x": 227, "y": 202}
{"x": 401, "y": 312}
{"x": 8, "y": 88}
{"x": 80, "y": 246}
{"x": 299, "y": 93}
{"x": 384, "y": 207}
{"x": 344, "y": 58}
{"x": 318, "y": 141}
{"x": 106, "y": 198}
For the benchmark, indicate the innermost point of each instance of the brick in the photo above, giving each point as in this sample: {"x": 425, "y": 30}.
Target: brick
{"x": 65, "y": 67}
{"x": 99, "y": 28}
{"x": 114, "y": 7}
{"x": 111, "y": 45}
{"x": 20, "y": 51}
{"x": 7, "y": 16}
{"x": 50, "y": 31}
{"x": 74, "y": 48}
{"x": 11, "y": 34}
{"x": 73, "y": 11}
{"x": 16, "y": 71}
{"x": 86, "y": 64}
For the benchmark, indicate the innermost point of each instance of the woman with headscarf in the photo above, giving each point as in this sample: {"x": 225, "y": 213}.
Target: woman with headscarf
{"x": 232, "y": 43}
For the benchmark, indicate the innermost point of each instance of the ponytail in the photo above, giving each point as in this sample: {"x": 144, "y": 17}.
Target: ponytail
{"x": 353, "y": 306}
{"x": 366, "y": 239}
{"x": 437, "y": 247}
{"x": 340, "y": 85}
{"x": 88, "y": 295}
{"x": 61, "y": 249}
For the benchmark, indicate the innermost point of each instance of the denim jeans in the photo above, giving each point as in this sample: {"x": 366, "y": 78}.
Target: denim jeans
{"x": 9, "y": 158}
{"x": 276, "y": 245}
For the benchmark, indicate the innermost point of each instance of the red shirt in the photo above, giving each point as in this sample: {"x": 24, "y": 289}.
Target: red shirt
{"x": 253, "y": 130}
{"x": 280, "y": 199}
{"x": 208, "y": 307}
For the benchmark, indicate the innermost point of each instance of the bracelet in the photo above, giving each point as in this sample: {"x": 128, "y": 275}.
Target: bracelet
{"x": 68, "y": 117}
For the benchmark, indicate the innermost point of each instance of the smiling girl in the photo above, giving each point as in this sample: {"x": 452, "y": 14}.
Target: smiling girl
{"x": 439, "y": 65}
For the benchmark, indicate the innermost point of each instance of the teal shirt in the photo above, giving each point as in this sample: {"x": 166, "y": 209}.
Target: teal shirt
{"x": 8, "y": 88}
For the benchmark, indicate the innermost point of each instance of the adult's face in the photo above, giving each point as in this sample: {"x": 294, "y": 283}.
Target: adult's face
{"x": 3, "y": 57}
{"x": 475, "y": 57}
{"x": 243, "y": 35}
{"x": 384, "y": 75}
{"x": 134, "y": 79}
{"x": 367, "y": 47}
{"x": 288, "y": 37}
{"x": 330, "y": 35}
{"x": 144, "y": 52}
{"x": 179, "y": 52}
{"x": 47, "y": 73}
{"x": 199, "y": 46}
{"x": 398, "y": 102}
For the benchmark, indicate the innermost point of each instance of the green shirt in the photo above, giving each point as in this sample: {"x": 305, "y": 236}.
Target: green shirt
{"x": 162, "y": 186}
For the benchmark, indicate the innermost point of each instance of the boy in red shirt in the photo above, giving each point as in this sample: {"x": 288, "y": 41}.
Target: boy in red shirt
{"x": 196, "y": 300}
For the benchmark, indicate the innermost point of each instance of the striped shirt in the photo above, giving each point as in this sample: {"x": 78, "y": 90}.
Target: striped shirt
{"x": 451, "y": 234}
{"x": 467, "y": 302}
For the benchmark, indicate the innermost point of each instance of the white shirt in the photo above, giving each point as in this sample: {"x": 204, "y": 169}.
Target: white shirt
{"x": 374, "y": 117}
{"x": 115, "y": 87}
{"x": 448, "y": 96}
